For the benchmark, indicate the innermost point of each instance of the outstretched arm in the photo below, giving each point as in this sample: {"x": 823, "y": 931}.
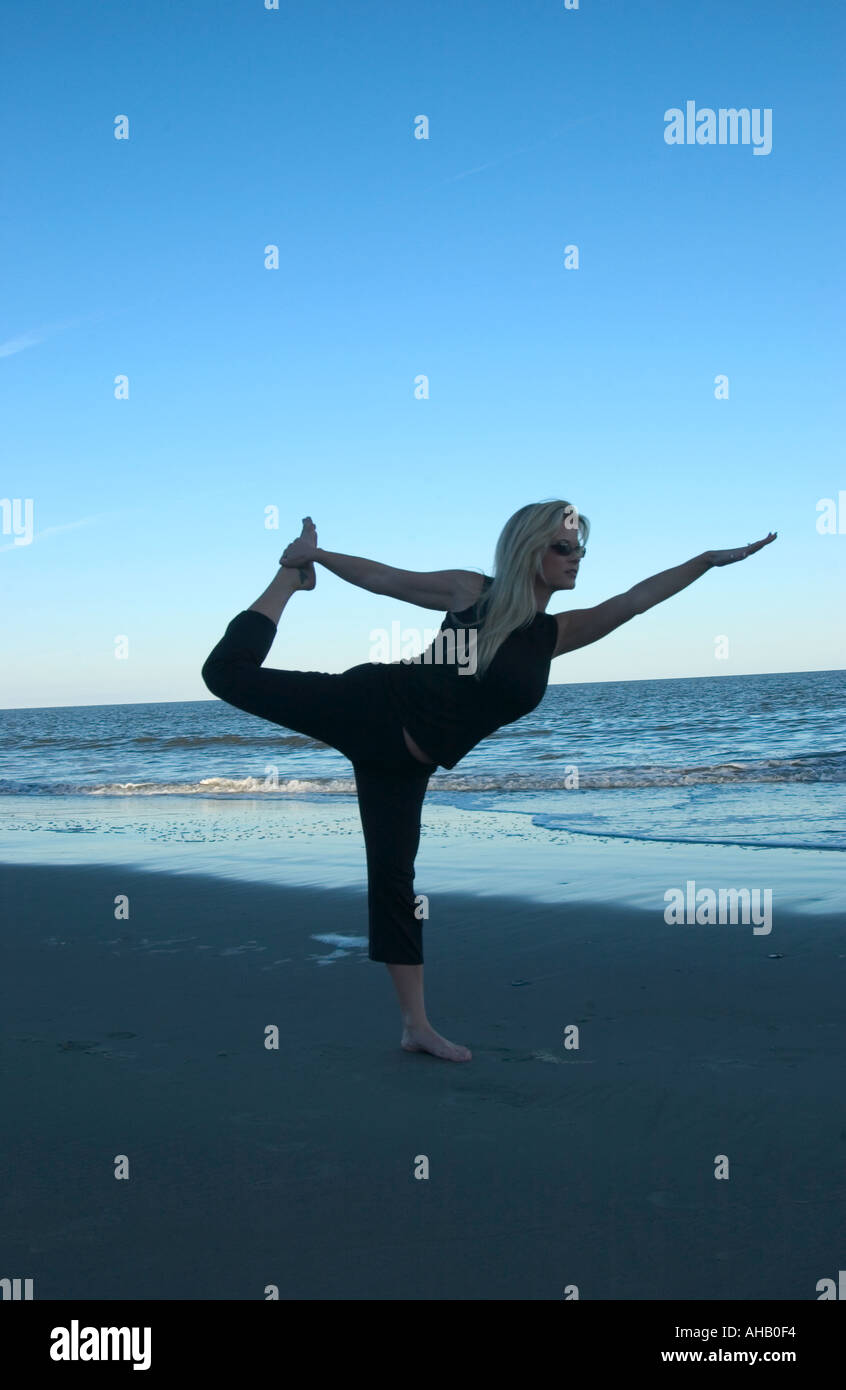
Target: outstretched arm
{"x": 581, "y": 626}
{"x": 439, "y": 589}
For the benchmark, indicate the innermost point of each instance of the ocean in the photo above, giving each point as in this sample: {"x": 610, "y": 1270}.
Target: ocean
{"x": 718, "y": 762}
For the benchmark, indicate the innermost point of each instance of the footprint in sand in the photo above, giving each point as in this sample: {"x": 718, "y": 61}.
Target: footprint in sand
{"x": 562, "y": 1061}
{"x": 507, "y": 1054}
{"x": 95, "y": 1048}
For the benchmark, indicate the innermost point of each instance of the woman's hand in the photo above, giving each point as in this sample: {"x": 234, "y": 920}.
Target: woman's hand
{"x": 297, "y": 554}
{"x": 730, "y": 557}
{"x": 300, "y": 552}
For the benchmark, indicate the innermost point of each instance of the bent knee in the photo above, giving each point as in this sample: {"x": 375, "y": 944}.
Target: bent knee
{"x": 217, "y": 677}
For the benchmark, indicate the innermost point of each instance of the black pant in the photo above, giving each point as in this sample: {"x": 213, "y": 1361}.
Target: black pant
{"x": 353, "y": 713}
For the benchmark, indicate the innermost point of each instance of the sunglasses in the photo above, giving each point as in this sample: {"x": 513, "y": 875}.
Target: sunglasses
{"x": 565, "y": 548}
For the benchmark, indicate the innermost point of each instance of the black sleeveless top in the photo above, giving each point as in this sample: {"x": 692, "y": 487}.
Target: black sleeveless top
{"x": 446, "y": 709}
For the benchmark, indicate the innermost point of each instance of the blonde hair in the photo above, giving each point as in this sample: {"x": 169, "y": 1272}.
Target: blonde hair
{"x": 509, "y": 602}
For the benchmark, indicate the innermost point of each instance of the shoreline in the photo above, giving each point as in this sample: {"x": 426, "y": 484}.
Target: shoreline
{"x": 477, "y": 849}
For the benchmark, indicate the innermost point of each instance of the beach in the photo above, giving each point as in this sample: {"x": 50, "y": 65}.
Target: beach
{"x": 204, "y": 1090}
{"x": 140, "y": 1040}
{"x": 352, "y": 457}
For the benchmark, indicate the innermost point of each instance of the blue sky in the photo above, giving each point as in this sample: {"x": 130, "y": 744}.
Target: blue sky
{"x": 401, "y": 257}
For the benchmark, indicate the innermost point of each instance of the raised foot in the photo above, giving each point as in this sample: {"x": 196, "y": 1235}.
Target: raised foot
{"x": 427, "y": 1040}
{"x": 305, "y": 571}
{"x": 308, "y": 578}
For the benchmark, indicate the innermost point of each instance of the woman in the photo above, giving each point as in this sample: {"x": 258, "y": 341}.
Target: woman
{"x": 398, "y": 722}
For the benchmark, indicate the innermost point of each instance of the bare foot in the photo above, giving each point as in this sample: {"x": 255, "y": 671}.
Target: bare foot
{"x": 427, "y": 1040}
{"x": 308, "y": 578}
{"x": 307, "y": 575}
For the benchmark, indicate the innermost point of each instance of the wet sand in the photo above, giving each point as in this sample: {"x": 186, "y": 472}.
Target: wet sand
{"x": 294, "y": 1167}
